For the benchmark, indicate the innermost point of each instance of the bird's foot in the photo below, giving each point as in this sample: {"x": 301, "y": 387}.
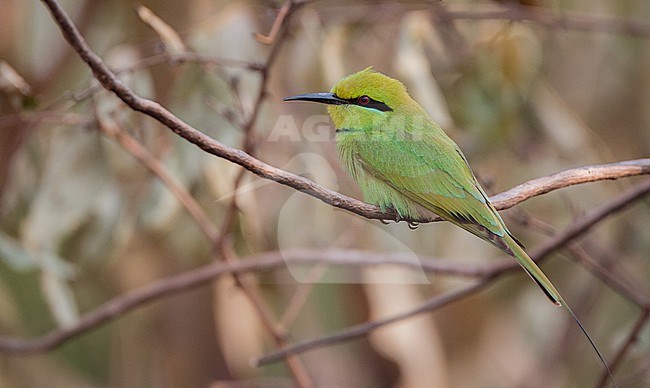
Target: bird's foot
{"x": 411, "y": 224}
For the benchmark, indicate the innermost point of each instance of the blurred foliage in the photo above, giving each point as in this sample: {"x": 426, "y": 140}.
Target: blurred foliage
{"x": 81, "y": 221}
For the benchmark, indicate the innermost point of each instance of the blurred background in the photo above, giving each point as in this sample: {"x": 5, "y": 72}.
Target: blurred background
{"x": 82, "y": 221}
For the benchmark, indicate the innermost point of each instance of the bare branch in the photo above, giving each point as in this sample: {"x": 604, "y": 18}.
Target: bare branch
{"x": 571, "y": 177}
{"x": 629, "y": 341}
{"x": 271, "y": 260}
{"x": 221, "y": 243}
{"x": 553, "y": 19}
{"x": 364, "y": 328}
{"x": 110, "y": 81}
{"x": 277, "y": 24}
{"x": 627, "y": 288}
{"x": 118, "y": 306}
{"x": 122, "y": 304}
{"x": 131, "y": 145}
{"x": 577, "y": 228}
{"x": 590, "y": 219}
{"x": 200, "y": 276}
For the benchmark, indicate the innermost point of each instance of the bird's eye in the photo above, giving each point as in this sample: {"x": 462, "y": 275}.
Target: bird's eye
{"x": 363, "y": 100}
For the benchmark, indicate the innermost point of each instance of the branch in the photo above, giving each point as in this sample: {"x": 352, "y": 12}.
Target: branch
{"x": 221, "y": 242}
{"x": 590, "y": 219}
{"x": 573, "y": 231}
{"x": 118, "y": 306}
{"x": 202, "y": 275}
{"x": 151, "y": 108}
{"x": 631, "y": 339}
{"x": 627, "y": 288}
{"x": 157, "y": 168}
{"x": 122, "y": 304}
{"x": 364, "y": 328}
{"x": 561, "y": 19}
{"x": 277, "y": 25}
{"x": 570, "y": 177}
{"x": 109, "y": 80}
{"x": 272, "y": 260}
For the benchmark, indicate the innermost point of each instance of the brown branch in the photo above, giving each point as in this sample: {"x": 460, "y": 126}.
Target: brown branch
{"x": 573, "y": 231}
{"x": 627, "y": 344}
{"x": 560, "y": 19}
{"x": 202, "y": 275}
{"x": 364, "y": 328}
{"x": 109, "y": 81}
{"x": 118, "y": 306}
{"x": 272, "y": 260}
{"x": 249, "y": 289}
{"x": 590, "y": 219}
{"x": 221, "y": 242}
{"x": 584, "y": 223}
{"x": 626, "y": 288}
{"x": 137, "y": 150}
{"x": 277, "y": 37}
{"x": 277, "y": 25}
{"x": 571, "y": 177}
{"x": 151, "y": 108}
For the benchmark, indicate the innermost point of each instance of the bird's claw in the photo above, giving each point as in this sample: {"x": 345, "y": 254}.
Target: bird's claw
{"x": 411, "y": 224}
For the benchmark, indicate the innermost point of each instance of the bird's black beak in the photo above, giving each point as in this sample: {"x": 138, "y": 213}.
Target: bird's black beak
{"x": 323, "y": 98}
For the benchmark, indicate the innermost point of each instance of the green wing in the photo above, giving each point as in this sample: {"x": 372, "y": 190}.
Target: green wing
{"x": 429, "y": 169}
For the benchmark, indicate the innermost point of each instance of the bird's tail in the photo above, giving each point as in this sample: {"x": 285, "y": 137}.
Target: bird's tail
{"x": 531, "y": 268}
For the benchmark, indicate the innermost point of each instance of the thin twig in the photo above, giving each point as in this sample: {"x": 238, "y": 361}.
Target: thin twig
{"x": 365, "y": 328}
{"x": 119, "y": 305}
{"x": 249, "y": 289}
{"x": 590, "y": 219}
{"x": 277, "y": 25}
{"x": 626, "y": 288}
{"x": 560, "y": 19}
{"x": 130, "y": 144}
{"x": 629, "y": 341}
{"x": 220, "y": 243}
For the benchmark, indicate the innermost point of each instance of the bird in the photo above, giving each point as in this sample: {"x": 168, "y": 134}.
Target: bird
{"x": 403, "y": 160}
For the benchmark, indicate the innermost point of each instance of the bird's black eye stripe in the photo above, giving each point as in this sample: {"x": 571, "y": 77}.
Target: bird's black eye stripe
{"x": 368, "y": 102}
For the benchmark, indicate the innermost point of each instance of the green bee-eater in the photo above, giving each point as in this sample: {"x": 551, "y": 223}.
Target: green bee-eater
{"x": 403, "y": 160}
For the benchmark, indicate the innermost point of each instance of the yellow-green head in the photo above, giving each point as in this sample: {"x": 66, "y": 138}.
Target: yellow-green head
{"x": 364, "y": 100}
